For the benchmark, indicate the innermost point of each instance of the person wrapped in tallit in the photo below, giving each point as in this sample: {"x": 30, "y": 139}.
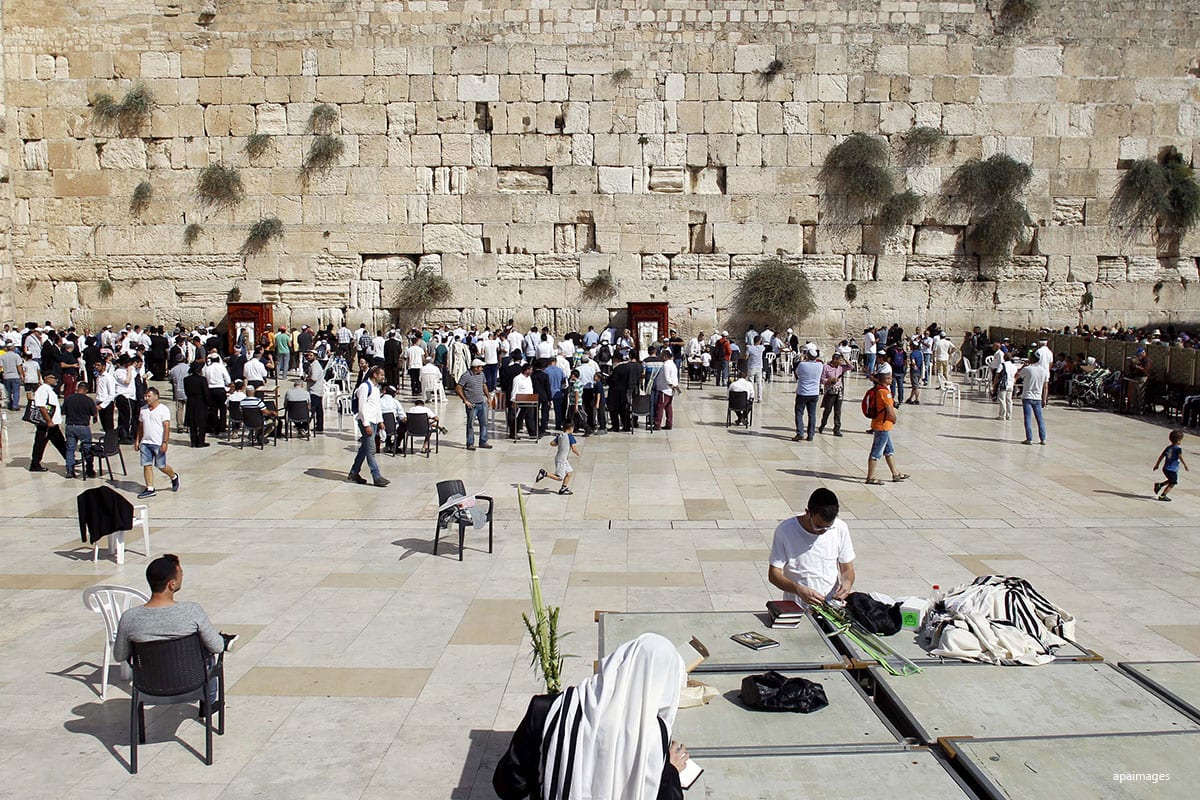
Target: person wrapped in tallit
{"x": 609, "y": 738}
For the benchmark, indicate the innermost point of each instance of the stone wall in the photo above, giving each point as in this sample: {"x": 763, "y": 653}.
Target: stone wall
{"x": 521, "y": 147}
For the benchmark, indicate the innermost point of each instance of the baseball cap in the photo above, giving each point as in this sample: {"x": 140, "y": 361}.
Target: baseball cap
{"x": 884, "y": 369}
{"x": 477, "y": 363}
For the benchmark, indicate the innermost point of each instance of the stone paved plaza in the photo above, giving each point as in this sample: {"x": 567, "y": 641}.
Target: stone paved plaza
{"x": 368, "y": 668}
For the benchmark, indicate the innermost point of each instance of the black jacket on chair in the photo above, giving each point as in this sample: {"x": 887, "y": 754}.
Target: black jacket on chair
{"x": 102, "y": 511}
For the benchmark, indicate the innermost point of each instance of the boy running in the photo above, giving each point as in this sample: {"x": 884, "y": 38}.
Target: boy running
{"x": 1170, "y": 458}
{"x": 565, "y": 444}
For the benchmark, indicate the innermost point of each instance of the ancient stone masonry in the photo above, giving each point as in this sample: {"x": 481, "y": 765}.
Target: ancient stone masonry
{"x": 519, "y": 148}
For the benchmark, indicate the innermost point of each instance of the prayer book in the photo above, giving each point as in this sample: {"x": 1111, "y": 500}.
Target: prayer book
{"x": 690, "y": 772}
{"x": 754, "y": 640}
{"x": 693, "y": 653}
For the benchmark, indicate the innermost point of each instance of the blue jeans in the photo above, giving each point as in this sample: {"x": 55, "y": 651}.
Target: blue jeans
{"x": 13, "y": 387}
{"x": 81, "y": 435}
{"x": 366, "y": 452}
{"x": 281, "y": 364}
{"x": 477, "y": 412}
{"x": 806, "y": 403}
{"x": 898, "y": 386}
{"x": 1033, "y": 408}
{"x": 490, "y": 373}
{"x": 870, "y": 362}
{"x": 881, "y": 445}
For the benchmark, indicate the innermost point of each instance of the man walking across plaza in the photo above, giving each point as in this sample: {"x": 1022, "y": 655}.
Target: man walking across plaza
{"x": 80, "y": 410}
{"x": 153, "y": 438}
{"x": 833, "y": 379}
{"x": 315, "y": 378}
{"x": 369, "y": 417}
{"x": 808, "y": 386}
{"x": 881, "y": 409}
{"x": 47, "y": 404}
{"x": 472, "y": 390}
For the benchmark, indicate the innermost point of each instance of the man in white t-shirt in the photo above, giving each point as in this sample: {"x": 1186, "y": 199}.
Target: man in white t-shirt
{"x": 942, "y": 348}
{"x": 868, "y": 350}
{"x": 1045, "y": 355}
{"x": 812, "y": 558}
{"x": 153, "y": 437}
{"x": 414, "y": 359}
{"x": 489, "y": 351}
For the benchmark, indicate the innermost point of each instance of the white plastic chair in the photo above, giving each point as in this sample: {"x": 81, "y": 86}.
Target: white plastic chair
{"x": 141, "y": 516}
{"x": 951, "y": 389}
{"x": 432, "y": 388}
{"x": 344, "y": 408}
{"x": 110, "y": 602}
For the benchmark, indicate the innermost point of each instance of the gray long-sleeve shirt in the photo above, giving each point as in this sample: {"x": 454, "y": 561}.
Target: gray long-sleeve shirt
{"x": 141, "y": 624}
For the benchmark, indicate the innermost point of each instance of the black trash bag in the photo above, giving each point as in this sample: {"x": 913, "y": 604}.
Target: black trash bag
{"x": 772, "y": 691}
{"x": 873, "y": 615}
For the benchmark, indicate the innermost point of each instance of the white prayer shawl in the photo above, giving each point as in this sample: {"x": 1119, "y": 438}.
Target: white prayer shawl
{"x": 606, "y": 729}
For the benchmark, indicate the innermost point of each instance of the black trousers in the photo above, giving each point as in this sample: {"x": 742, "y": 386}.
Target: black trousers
{"x": 620, "y": 411}
{"x": 126, "y": 424}
{"x": 316, "y": 409}
{"x": 595, "y": 411}
{"x": 414, "y": 378}
{"x": 218, "y": 409}
{"x": 106, "y": 416}
{"x": 47, "y": 433}
{"x": 198, "y": 427}
{"x": 832, "y": 402}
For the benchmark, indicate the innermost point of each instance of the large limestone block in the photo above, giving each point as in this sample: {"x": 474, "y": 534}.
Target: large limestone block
{"x": 387, "y": 267}
{"x": 701, "y": 266}
{"x": 514, "y": 265}
{"x": 941, "y": 268}
{"x": 123, "y": 154}
{"x": 1017, "y": 268}
{"x": 890, "y": 267}
{"x": 1061, "y": 297}
{"x": 328, "y": 268}
{"x": 818, "y": 267}
{"x": 441, "y": 238}
{"x": 478, "y": 88}
{"x": 1111, "y": 269}
{"x": 938, "y": 241}
{"x": 738, "y": 237}
{"x": 616, "y": 180}
{"x": 655, "y": 267}
{"x": 749, "y": 58}
{"x": 556, "y": 265}
{"x": 1141, "y": 268}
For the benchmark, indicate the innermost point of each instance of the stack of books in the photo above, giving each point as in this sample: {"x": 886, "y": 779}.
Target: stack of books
{"x": 785, "y": 613}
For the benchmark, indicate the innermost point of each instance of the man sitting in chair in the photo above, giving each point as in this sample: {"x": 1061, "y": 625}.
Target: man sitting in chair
{"x": 269, "y": 414}
{"x": 742, "y": 385}
{"x": 297, "y": 394}
{"x": 163, "y": 617}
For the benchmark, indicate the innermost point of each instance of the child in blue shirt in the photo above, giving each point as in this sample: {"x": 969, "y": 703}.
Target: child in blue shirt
{"x": 564, "y": 445}
{"x": 1170, "y": 458}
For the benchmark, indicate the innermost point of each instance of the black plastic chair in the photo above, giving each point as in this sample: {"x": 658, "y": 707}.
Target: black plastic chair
{"x": 420, "y": 426}
{"x": 298, "y": 416}
{"x": 392, "y": 431}
{"x": 254, "y": 422}
{"x": 739, "y": 401}
{"x": 235, "y": 418}
{"x": 173, "y": 671}
{"x": 445, "y": 490}
{"x": 110, "y": 445}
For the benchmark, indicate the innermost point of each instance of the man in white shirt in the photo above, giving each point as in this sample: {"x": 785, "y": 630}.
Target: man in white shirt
{"x": 942, "y": 348}
{"x": 219, "y": 382}
{"x": 153, "y": 437}
{"x": 742, "y": 384}
{"x": 812, "y": 557}
{"x": 1044, "y": 354}
{"x": 868, "y": 351}
{"x": 666, "y": 384}
{"x": 47, "y": 404}
{"x": 255, "y": 371}
{"x": 414, "y": 358}
{"x": 344, "y": 337}
{"x": 126, "y": 377}
{"x": 489, "y": 351}
{"x": 523, "y": 385}
{"x": 369, "y": 416}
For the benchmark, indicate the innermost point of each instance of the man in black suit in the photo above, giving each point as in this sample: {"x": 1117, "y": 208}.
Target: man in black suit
{"x": 510, "y": 370}
{"x": 393, "y": 353}
{"x": 541, "y": 387}
{"x": 195, "y": 389}
{"x": 624, "y": 378}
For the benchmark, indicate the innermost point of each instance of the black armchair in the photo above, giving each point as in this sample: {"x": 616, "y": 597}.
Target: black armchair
{"x": 446, "y": 490}
{"x": 175, "y": 671}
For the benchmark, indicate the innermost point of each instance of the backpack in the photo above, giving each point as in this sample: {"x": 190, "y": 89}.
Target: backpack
{"x": 870, "y": 408}
{"x": 354, "y": 397}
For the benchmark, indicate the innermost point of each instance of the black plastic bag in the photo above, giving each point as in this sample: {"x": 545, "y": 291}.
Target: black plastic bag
{"x": 772, "y": 691}
{"x": 873, "y": 615}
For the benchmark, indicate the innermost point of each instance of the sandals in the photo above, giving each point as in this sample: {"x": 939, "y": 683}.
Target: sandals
{"x": 874, "y": 482}
{"x": 900, "y": 477}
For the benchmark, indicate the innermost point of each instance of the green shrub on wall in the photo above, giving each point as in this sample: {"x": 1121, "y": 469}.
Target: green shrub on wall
{"x": 857, "y": 167}
{"x": 775, "y": 293}
{"x": 991, "y": 190}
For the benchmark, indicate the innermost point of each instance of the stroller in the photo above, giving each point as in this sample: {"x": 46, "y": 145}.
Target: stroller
{"x": 1087, "y": 390}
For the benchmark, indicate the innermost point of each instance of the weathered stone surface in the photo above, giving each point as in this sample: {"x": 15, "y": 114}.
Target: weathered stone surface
{"x": 655, "y": 267}
{"x": 941, "y": 268}
{"x": 452, "y": 238}
{"x": 932, "y": 240}
{"x": 1017, "y": 268}
{"x": 514, "y": 265}
{"x": 387, "y": 267}
{"x": 556, "y": 265}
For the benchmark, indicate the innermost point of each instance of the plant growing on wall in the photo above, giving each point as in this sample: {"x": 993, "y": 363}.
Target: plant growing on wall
{"x": 104, "y": 289}
{"x": 424, "y": 291}
{"x": 1161, "y": 192}
{"x": 219, "y": 187}
{"x": 622, "y": 76}
{"x": 1015, "y": 14}
{"x": 322, "y": 156}
{"x": 257, "y": 144}
{"x": 858, "y": 168}
{"x": 775, "y": 293}
{"x": 898, "y": 210}
{"x": 139, "y": 201}
{"x": 600, "y": 287}
{"x": 922, "y": 142}
{"x": 772, "y": 70}
{"x": 191, "y": 233}
{"x": 127, "y": 116}
{"x": 991, "y": 189}
{"x": 260, "y": 235}
{"x": 322, "y": 119}
{"x": 851, "y": 292}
